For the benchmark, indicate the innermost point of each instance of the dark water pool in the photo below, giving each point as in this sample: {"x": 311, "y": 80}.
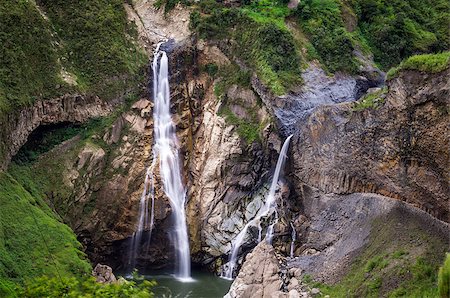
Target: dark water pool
{"x": 203, "y": 285}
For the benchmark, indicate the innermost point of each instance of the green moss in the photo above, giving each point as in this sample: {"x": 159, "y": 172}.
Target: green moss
{"x": 33, "y": 242}
{"x": 29, "y": 66}
{"x": 444, "y": 278}
{"x": 432, "y": 63}
{"x": 396, "y": 29}
{"x": 370, "y": 101}
{"x": 98, "y": 44}
{"x": 249, "y": 130}
{"x": 261, "y": 40}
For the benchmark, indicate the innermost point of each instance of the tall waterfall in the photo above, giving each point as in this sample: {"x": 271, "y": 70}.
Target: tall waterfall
{"x": 268, "y": 208}
{"x": 165, "y": 151}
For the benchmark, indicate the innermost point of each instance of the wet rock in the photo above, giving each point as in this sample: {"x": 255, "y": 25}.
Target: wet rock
{"x": 103, "y": 274}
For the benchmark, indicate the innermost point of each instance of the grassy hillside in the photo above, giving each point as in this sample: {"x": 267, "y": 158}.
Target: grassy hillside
{"x": 332, "y": 30}
{"x": 91, "y": 42}
{"x": 33, "y": 241}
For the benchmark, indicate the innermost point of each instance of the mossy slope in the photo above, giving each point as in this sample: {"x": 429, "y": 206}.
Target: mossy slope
{"x": 33, "y": 242}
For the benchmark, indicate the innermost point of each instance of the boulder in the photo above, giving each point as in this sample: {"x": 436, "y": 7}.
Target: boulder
{"x": 104, "y": 274}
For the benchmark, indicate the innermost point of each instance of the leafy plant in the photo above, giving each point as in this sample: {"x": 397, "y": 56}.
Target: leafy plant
{"x": 88, "y": 287}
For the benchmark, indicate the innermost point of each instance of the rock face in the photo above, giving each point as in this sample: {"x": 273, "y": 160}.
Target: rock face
{"x": 398, "y": 150}
{"x": 16, "y": 127}
{"x": 258, "y": 276}
{"x": 318, "y": 89}
{"x": 340, "y": 226}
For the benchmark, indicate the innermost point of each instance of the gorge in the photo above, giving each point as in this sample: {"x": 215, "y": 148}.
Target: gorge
{"x": 224, "y": 149}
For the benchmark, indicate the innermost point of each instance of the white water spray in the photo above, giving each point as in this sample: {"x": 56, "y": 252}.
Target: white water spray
{"x": 293, "y": 238}
{"x": 268, "y": 209}
{"x": 166, "y": 150}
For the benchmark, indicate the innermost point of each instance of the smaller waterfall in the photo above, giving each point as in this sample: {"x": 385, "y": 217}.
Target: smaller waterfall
{"x": 268, "y": 208}
{"x": 293, "y": 238}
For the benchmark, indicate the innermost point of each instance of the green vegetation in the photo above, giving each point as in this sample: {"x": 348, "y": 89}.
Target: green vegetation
{"x": 262, "y": 40}
{"x": 88, "y": 287}
{"x": 444, "y": 278}
{"x": 230, "y": 75}
{"x": 169, "y": 4}
{"x": 97, "y": 44}
{"x": 91, "y": 39}
{"x": 397, "y": 29}
{"x": 248, "y": 129}
{"x": 29, "y": 63}
{"x": 322, "y": 21}
{"x": 370, "y": 100}
{"x": 432, "y": 63}
{"x": 385, "y": 269}
{"x": 33, "y": 242}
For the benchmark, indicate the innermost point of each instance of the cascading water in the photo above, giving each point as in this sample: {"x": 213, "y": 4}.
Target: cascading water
{"x": 268, "y": 208}
{"x": 165, "y": 150}
{"x": 293, "y": 238}
{"x": 143, "y": 222}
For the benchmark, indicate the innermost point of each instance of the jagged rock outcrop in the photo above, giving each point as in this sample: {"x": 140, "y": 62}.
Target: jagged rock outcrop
{"x": 399, "y": 150}
{"x": 259, "y": 276}
{"x": 17, "y": 126}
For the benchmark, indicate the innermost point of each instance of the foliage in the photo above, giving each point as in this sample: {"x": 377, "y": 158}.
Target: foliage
{"x": 444, "y": 278}
{"x": 230, "y": 75}
{"x": 322, "y": 21}
{"x": 261, "y": 39}
{"x": 88, "y": 287}
{"x": 371, "y": 100}
{"x": 396, "y": 29}
{"x": 169, "y": 4}
{"x": 97, "y": 44}
{"x": 211, "y": 69}
{"x": 28, "y": 61}
{"x": 432, "y": 63}
{"x": 32, "y": 240}
{"x": 249, "y": 130}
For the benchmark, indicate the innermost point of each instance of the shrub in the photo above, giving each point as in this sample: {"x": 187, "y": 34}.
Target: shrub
{"x": 28, "y": 65}
{"x": 72, "y": 287}
{"x": 260, "y": 39}
{"x": 321, "y": 20}
{"x": 397, "y": 29}
{"x": 98, "y": 44}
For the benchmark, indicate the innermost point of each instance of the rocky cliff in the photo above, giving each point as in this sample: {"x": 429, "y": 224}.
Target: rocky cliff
{"x": 398, "y": 150}
{"x": 17, "y": 126}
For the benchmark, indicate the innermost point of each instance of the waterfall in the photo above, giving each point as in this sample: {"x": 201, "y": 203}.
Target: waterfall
{"x": 268, "y": 208}
{"x": 143, "y": 219}
{"x": 165, "y": 151}
{"x": 293, "y": 238}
